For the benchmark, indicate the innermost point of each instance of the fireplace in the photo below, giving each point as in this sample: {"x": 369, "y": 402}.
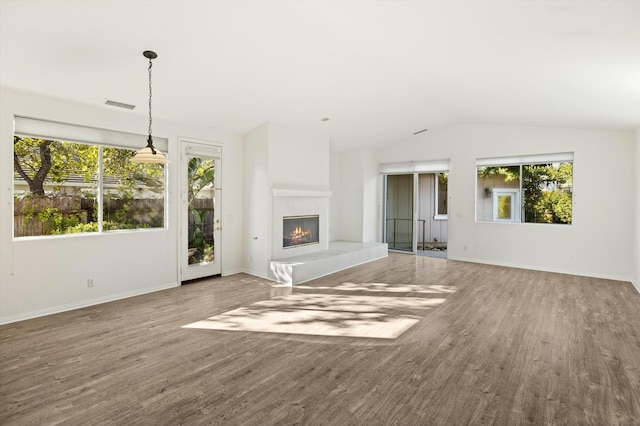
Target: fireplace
{"x": 300, "y": 231}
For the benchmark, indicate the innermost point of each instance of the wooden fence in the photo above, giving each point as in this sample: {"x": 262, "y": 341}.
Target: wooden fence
{"x": 207, "y": 225}
{"x": 137, "y": 213}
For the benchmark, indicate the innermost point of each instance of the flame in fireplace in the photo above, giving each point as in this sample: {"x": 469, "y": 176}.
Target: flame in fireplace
{"x": 299, "y": 230}
{"x": 299, "y": 235}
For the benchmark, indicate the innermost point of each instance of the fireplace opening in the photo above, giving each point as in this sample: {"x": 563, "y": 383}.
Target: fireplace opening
{"x": 300, "y": 231}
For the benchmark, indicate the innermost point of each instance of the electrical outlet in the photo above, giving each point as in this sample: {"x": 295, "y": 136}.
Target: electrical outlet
{"x": 90, "y": 283}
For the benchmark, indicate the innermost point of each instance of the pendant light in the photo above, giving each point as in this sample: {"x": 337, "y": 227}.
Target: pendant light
{"x": 149, "y": 154}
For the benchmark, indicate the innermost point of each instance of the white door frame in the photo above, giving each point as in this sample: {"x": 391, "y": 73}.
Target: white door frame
{"x": 194, "y": 147}
{"x": 434, "y": 167}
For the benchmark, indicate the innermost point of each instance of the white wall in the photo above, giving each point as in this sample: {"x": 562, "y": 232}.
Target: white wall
{"x": 298, "y": 159}
{"x": 45, "y": 275}
{"x": 598, "y": 243}
{"x": 335, "y": 202}
{"x": 351, "y": 212}
{"x": 636, "y": 241}
{"x": 360, "y": 202}
{"x": 371, "y": 197}
{"x": 257, "y": 202}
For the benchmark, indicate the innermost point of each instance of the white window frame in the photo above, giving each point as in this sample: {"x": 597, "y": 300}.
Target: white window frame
{"x": 515, "y": 205}
{"x": 102, "y": 138}
{"x": 522, "y": 160}
{"x": 438, "y": 216}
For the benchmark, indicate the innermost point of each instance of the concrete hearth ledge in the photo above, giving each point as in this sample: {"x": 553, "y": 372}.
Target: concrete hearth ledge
{"x": 340, "y": 255}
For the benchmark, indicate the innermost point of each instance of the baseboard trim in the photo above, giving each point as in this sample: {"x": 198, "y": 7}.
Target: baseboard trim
{"x": 233, "y": 272}
{"x": 257, "y": 274}
{"x": 84, "y": 303}
{"x": 544, "y": 269}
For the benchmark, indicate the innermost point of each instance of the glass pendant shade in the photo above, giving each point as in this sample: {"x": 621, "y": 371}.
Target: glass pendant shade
{"x": 145, "y": 155}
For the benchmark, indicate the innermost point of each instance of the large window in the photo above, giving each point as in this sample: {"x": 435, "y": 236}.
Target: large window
{"x": 536, "y": 190}
{"x": 68, "y": 185}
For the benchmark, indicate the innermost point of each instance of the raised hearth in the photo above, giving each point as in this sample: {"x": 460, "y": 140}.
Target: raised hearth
{"x": 338, "y": 256}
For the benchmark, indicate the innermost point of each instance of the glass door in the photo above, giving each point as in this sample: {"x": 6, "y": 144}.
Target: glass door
{"x": 399, "y": 220}
{"x": 201, "y": 226}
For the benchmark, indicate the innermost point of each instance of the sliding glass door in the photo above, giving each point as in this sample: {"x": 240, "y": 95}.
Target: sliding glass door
{"x": 399, "y": 220}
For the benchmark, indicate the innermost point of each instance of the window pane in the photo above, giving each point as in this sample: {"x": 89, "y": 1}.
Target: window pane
{"x": 546, "y": 195}
{"x": 504, "y": 207}
{"x": 54, "y": 187}
{"x": 399, "y": 212}
{"x": 200, "y": 181}
{"x": 491, "y": 179}
{"x": 443, "y": 183}
{"x": 133, "y": 192}
{"x": 548, "y": 192}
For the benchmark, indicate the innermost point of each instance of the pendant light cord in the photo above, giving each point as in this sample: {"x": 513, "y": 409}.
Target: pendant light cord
{"x": 150, "y": 140}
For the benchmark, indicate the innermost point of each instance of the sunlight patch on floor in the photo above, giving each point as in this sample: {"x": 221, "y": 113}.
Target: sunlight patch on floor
{"x": 325, "y": 315}
{"x": 337, "y": 302}
{"x": 388, "y": 288}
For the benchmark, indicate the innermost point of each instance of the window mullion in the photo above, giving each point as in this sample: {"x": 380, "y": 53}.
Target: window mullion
{"x": 100, "y": 188}
{"x": 521, "y": 203}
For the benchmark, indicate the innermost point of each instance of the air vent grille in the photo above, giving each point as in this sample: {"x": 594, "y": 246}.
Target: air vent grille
{"x": 118, "y": 104}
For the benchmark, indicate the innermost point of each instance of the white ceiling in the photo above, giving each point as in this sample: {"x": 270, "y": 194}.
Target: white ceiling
{"x": 379, "y": 70}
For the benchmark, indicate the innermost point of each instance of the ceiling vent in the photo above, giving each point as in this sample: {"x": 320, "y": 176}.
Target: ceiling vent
{"x": 118, "y": 104}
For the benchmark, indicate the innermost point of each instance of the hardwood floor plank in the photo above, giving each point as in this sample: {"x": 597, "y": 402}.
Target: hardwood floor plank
{"x": 506, "y": 346}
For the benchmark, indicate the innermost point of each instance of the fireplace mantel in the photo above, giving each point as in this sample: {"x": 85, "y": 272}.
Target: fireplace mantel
{"x": 295, "y": 192}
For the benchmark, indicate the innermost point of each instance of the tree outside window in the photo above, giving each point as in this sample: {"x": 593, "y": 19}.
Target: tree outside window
{"x": 56, "y": 189}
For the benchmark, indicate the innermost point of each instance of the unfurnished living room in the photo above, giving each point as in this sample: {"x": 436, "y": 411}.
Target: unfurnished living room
{"x": 319, "y": 212}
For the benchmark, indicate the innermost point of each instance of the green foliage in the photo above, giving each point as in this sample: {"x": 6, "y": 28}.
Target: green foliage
{"x": 510, "y": 172}
{"x": 559, "y": 204}
{"x": 122, "y": 215}
{"x": 546, "y": 189}
{"x": 547, "y": 192}
{"x": 28, "y": 209}
{"x": 200, "y": 175}
{"x": 82, "y": 227}
{"x": 47, "y": 165}
{"x": 107, "y": 225}
{"x": 40, "y": 160}
{"x": 129, "y": 175}
{"x": 199, "y": 216}
{"x": 443, "y": 178}
{"x": 196, "y": 236}
{"x": 56, "y": 222}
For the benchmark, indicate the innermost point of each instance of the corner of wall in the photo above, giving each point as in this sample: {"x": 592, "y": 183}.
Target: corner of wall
{"x": 636, "y": 238}
{"x": 370, "y": 198}
{"x": 335, "y": 202}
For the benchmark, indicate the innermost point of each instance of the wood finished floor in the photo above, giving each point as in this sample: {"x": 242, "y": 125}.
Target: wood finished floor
{"x": 508, "y": 347}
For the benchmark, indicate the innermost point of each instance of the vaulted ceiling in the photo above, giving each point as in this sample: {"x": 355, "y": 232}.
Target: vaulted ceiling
{"x": 379, "y": 70}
